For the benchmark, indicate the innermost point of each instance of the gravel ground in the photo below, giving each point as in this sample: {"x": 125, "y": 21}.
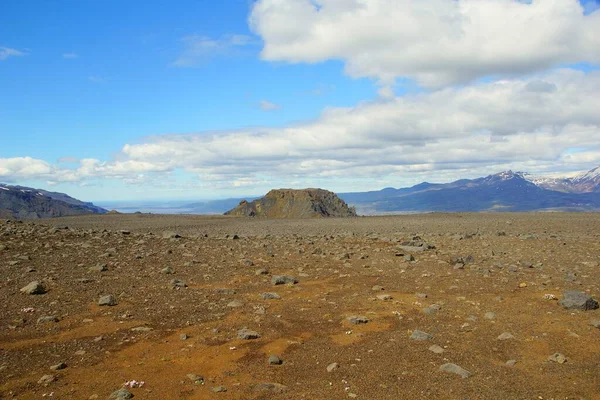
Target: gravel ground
{"x": 402, "y": 304}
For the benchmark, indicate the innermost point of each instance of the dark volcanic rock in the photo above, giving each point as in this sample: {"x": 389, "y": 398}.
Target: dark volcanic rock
{"x": 574, "y": 300}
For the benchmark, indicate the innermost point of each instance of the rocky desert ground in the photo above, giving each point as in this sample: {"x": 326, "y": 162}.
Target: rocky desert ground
{"x": 437, "y": 306}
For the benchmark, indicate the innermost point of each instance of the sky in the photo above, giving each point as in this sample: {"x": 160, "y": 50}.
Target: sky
{"x": 115, "y": 101}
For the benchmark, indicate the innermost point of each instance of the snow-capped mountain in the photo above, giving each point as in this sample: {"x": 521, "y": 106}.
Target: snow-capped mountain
{"x": 587, "y": 182}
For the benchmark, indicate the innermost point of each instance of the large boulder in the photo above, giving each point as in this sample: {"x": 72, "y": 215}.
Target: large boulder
{"x": 574, "y": 300}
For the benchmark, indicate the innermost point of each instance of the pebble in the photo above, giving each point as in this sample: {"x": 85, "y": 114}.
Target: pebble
{"x": 197, "y": 379}
{"x": 108, "y": 300}
{"x": 121, "y": 394}
{"x": 235, "y": 304}
{"x": 436, "y": 349}
{"x": 247, "y": 334}
{"x": 283, "y": 280}
{"x": 384, "y": 297}
{"x": 332, "y": 367}
{"x": 558, "y": 358}
{"x": 58, "y": 366}
{"x": 34, "y": 287}
{"x": 271, "y": 387}
{"x": 275, "y": 360}
{"x": 219, "y": 389}
{"x": 455, "y": 369}
{"x": 357, "y": 319}
{"x": 510, "y": 363}
{"x": 46, "y": 379}
{"x": 420, "y": 336}
{"x": 505, "y": 336}
{"x": 270, "y": 296}
{"x": 261, "y": 271}
{"x": 490, "y": 315}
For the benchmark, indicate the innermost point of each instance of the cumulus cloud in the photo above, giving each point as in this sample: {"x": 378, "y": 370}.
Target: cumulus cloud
{"x": 6, "y": 52}
{"x": 531, "y": 124}
{"x": 435, "y": 42}
{"x": 266, "y": 105}
{"x": 70, "y": 55}
{"x": 198, "y": 49}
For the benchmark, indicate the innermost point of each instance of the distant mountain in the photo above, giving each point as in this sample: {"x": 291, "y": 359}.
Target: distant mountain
{"x": 588, "y": 182}
{"x": 290, "y": 203}
{"x": 505, "y": 191}
{"x": 24, "y": 203}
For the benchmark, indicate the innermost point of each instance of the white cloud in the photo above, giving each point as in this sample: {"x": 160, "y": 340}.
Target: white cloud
{"x": 70, "y": 55}
{"x": 198, "y": 49}
{"x": 6, "y": 52}
{"x": 96, "y": 79}
{"x": 528, "y": 124}
{"x": 435, "y": 42}
{"x": 268, "y": 106}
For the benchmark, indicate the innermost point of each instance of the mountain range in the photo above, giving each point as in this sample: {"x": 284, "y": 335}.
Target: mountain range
{"x": 505, "y": 191}
{"x": 26, "y": 203}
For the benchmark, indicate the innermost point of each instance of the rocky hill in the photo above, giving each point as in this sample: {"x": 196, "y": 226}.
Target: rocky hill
{"x": 26, "y": 203}
{"x": 290, "y": 203}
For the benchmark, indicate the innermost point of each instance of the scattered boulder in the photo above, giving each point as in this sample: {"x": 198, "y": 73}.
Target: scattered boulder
{"x": 455, "y": 369}
{"x": 270, "y": 387}
{"x": 558, "y": 358}
{"x": 108, "y": 300}
{"x": 121, "y": 394}
{"x": 357, "y": 319}
{"x": 420, "y": 336}
{"x": 575, "y": 300}
{"x": 247, "y": 334}
{"x": 332, "y": 367}
{"x": 270, "y": 296}
{"x": 275, "y": 360}
{"x": 283, "y": 280}
{"x": 34, "y": 287}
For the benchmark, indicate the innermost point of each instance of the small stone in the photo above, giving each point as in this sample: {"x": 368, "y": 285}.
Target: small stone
{"x": 283, "y": 280}
{"x": 141, "y": 329}
{"x": 420, "y": 336}
{"x": 34, "y": 287}
{"x": 270, "y": 296}
{"x": 261, "y": 271}
{"x": 121, "y": 394}
{"x": 46, "y": 380}
{"x": 436, "y": 349}
{"x": 332, "y": 367}
{"x": 219, "y": 389}
{"x": 490, "y": 315}
{"x": 275, "y": 360}
{"x": 357, "y": 319}
{"x": 247, "y": 334}
{"x": 455, "y": 369}
{"x": 558, "y": 358}
{"x": 505, "y": 336}
{"x": 235, "y": 304}
{"x": 108, "y": 300}
{"x": 595, "y": 323}
{"x": 197, "y": 379}
{"x": 58, "y": 366}
{"x": 384, "y": 297}
{"x": 170, "y": 235}
{"x": 409, "y": 257}
{"x": 510, "y": 363}
{"x": 98, "y": 268}
{"x": 421, "y": 295}
{"x": 270, "y": 387}
{"x": 47, "y": 318}
{"x": 574, "y": 300}
{"x": 178, "y": 283}
{"x": 377, "y": 288}
{"x": 183, "y": 336}
{"x": 523, "y": 285}
{"x": 167, "y": 270}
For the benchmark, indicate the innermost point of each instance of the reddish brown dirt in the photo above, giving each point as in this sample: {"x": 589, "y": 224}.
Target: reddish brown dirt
{"x": 337, "y": 262}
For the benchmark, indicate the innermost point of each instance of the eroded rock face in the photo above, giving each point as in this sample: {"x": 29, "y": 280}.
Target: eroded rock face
{"x": 289, "y": 203}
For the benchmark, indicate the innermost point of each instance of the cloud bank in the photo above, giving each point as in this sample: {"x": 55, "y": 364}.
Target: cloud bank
{"x": 435, "y": 42}
{"x": 548, "y": 121}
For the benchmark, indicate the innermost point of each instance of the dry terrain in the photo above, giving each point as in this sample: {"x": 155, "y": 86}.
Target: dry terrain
{"x": 196, "y": 313}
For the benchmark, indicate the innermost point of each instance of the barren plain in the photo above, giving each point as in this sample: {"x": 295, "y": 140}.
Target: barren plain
{"x": 437, "y": 306}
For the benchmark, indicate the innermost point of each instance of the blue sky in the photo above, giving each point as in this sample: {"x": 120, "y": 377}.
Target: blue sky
{"x": 217, "y": 99}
